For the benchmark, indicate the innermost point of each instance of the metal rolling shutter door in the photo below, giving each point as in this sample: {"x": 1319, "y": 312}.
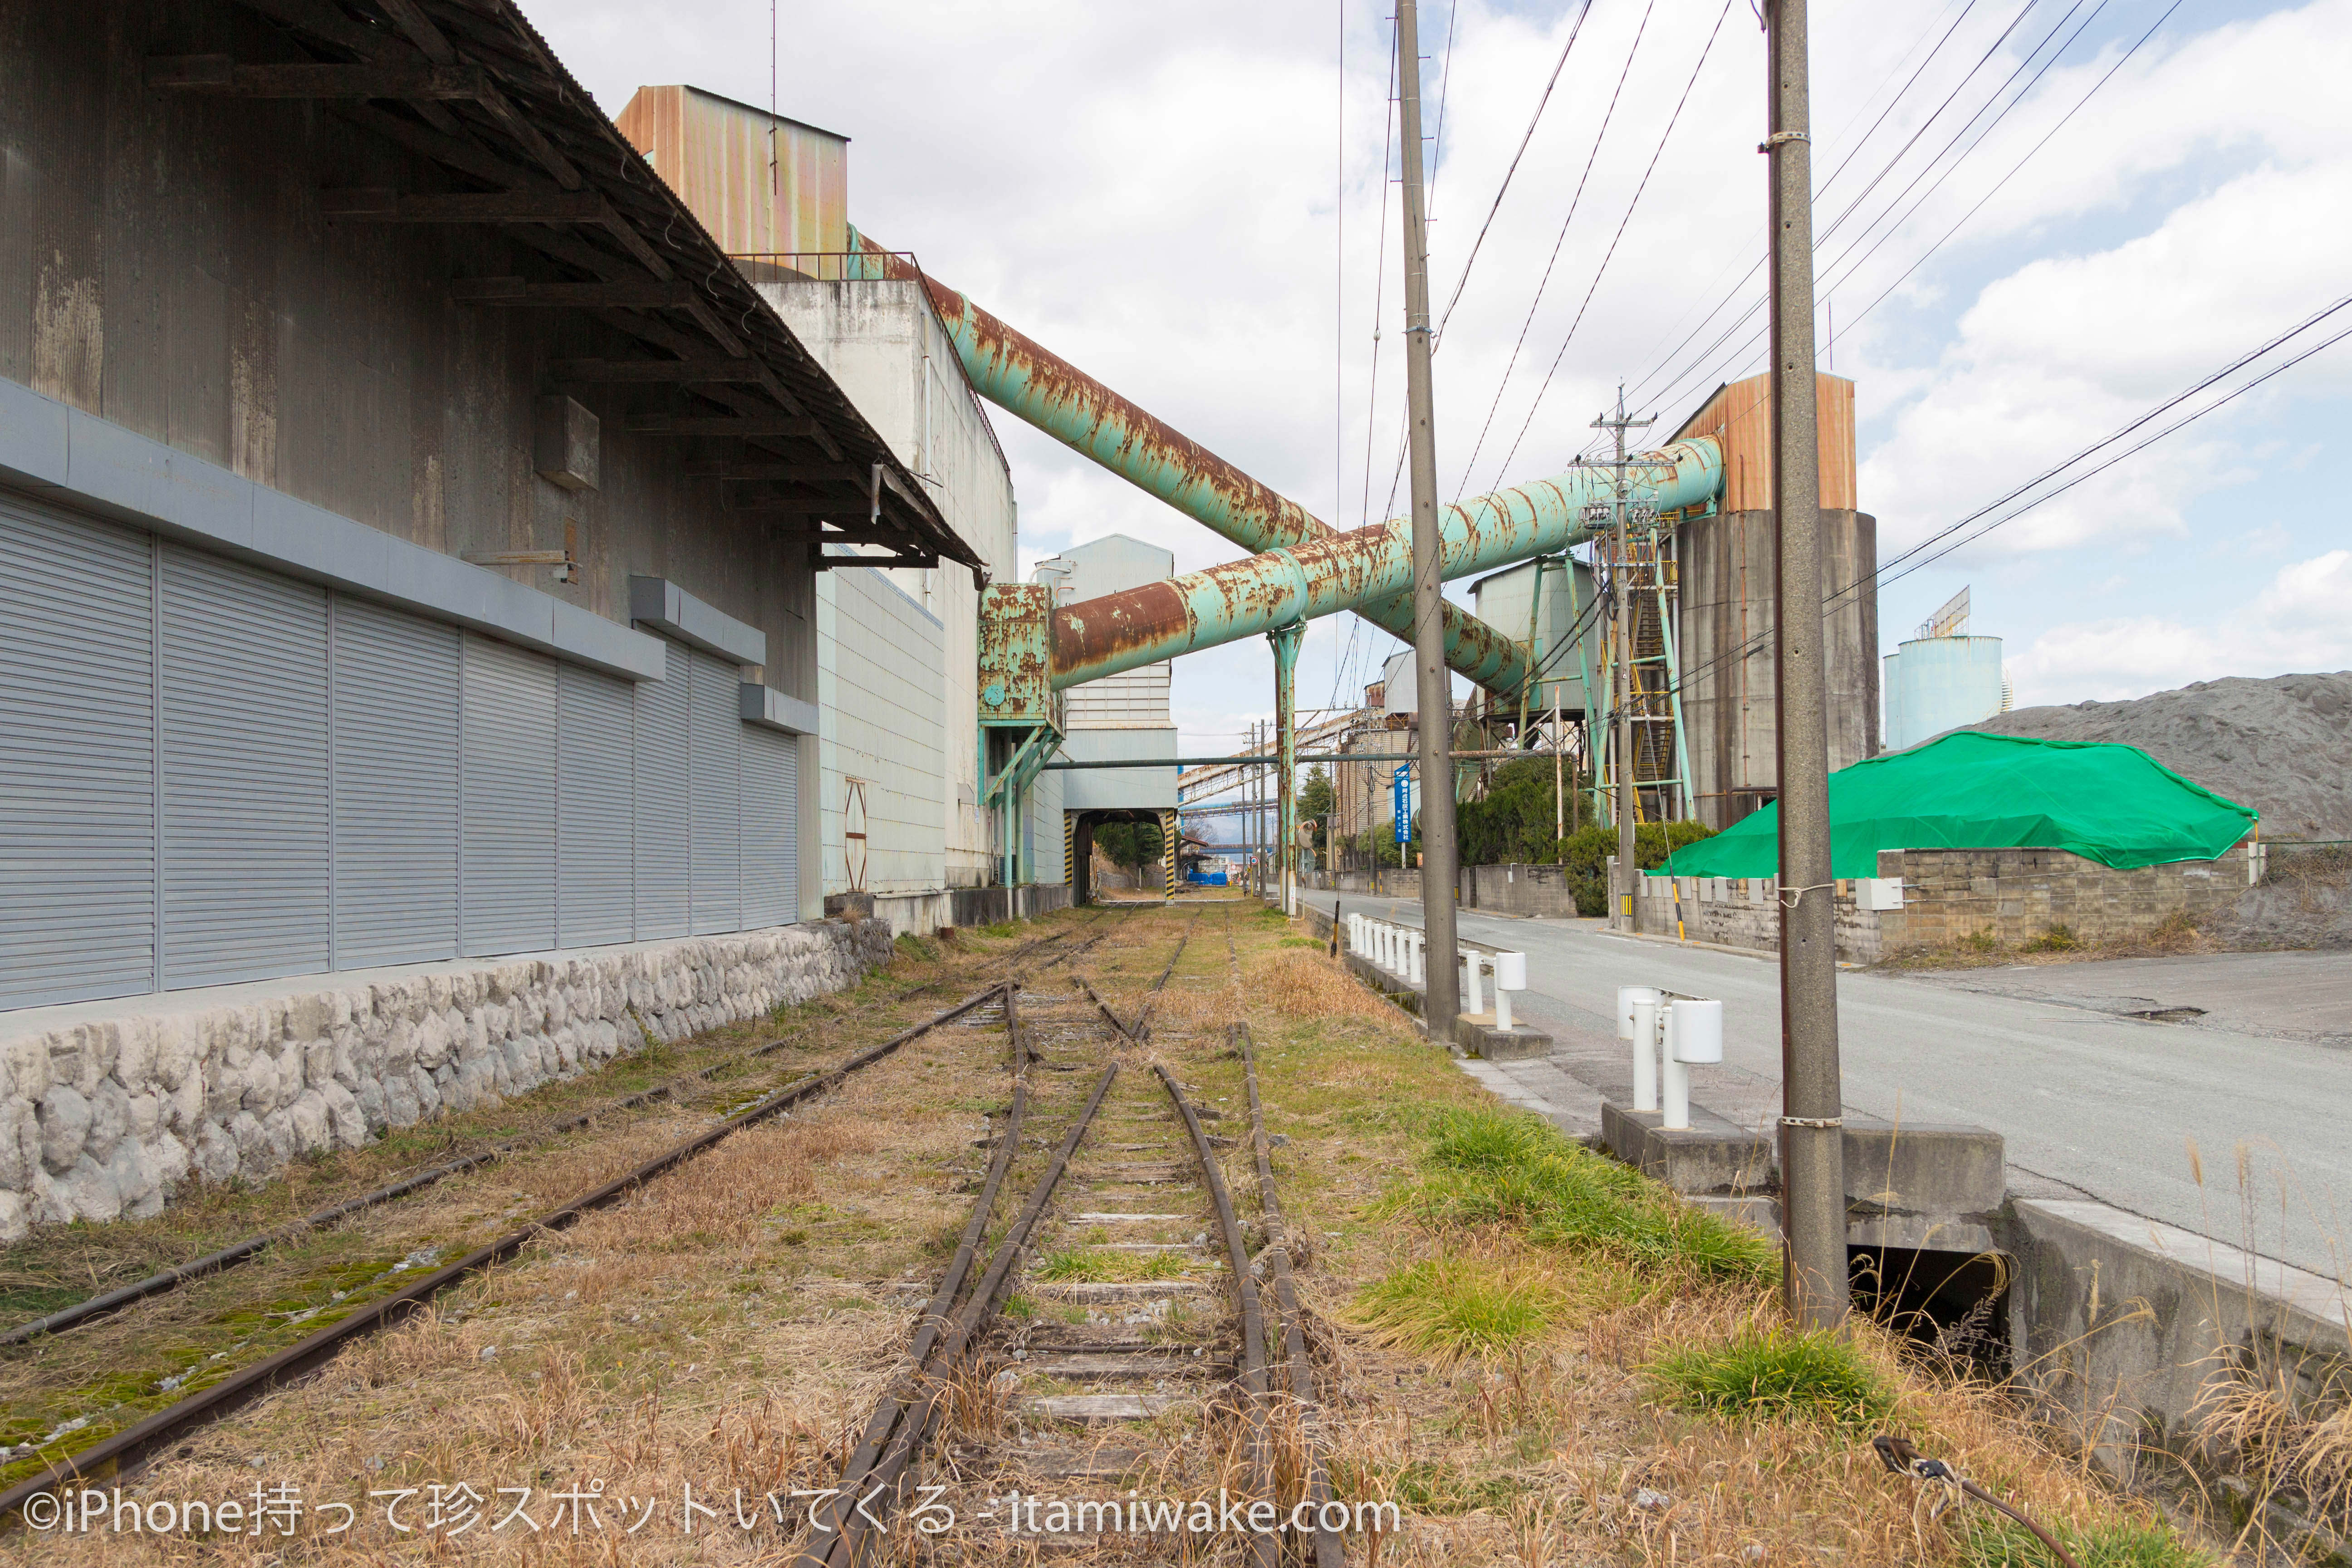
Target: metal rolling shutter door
{"x": 594, "y": 769}
{"x": 714, "y": 695}
{"x": 662, "y": 834}
{"x": 245, "y": 774}
{"x": 509, "y": 799}
{"x": 772, "y": 881}
{"x": 77, "y": 760}
{"x": 395, "y": 786}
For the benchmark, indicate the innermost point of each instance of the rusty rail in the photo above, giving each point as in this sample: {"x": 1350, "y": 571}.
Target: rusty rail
{"x": 252, "y": 1247}
{"x": 1328, "y": 1550}
{"x": 133, "y": 1444}
{"x": 1253, "y": 1382}
{"x": 911, "y": 1425}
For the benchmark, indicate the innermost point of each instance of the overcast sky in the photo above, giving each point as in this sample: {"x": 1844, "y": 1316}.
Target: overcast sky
{"x": 1195, "y": 205}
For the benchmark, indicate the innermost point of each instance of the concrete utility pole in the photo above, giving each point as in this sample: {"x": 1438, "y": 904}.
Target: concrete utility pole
{"x": 1434, "y": 689}
{"x": 1812, "y": 1137}
{"x": 1620, "y": 569}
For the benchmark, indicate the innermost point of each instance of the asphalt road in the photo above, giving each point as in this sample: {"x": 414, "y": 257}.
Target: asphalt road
{"x": 2254, "y": 1089}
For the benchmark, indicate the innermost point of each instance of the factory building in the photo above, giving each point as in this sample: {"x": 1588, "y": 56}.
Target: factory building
{"x": 901, "y": 826}
{"x": 1123, "y": 717}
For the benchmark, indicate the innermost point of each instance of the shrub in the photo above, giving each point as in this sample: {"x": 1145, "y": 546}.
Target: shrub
{"x": 2059, "y": 938}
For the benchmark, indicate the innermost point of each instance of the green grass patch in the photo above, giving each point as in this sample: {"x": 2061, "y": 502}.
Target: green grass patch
{"x": 1456, "y": 1308}
{"x": 1485, "y": 1165}
{"x": 1776, "y": 1375}
{"x": 1090, "y": 1266}
{"x": 2135, "y": 1544}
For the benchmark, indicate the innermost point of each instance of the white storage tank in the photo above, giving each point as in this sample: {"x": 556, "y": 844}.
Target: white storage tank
{"x": 1935, "y": 684}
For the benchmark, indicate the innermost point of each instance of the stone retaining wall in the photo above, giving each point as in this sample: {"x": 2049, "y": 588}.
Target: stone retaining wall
{"x": 104, "y": 1117}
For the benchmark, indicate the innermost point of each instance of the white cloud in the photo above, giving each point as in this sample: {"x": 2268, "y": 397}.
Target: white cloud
{"x": 1156, "y": 196}
{"x": 2295, "y": 624}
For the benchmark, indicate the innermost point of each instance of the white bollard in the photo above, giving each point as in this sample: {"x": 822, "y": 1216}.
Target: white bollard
{"x": 1674, "y": 1077}
{"x": 1413, "y": 944}
{"x": 1470, "y": 970}
{"x": 1380, "y": 944}
{"x": 1637, "y": 1026}
{"x": 1510, "y": 974}
{"x": 1694, "y": 1034}
{"x": 1389, "y": 948}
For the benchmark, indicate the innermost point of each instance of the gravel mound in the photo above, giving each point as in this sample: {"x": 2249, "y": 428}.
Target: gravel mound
{"x": 2283, "y": 746}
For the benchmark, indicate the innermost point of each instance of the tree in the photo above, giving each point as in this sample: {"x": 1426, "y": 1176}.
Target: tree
{"x": 1131, "y": 846}
{"x": 1315, "y": 800}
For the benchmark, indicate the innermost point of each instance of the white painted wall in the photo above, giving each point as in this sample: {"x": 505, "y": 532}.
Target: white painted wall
{"x": 881, "y": 694}
{"x": 881, "y": 342}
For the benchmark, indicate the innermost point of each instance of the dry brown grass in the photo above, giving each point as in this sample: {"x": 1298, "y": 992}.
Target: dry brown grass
{"x": 730, "y": 1325}
{"x": 1297, "y": 984}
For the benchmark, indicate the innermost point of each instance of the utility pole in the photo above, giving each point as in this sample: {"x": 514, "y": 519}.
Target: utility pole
{"x": 1620, "y": 569}
{"x": 1442, "y": 1002}
{"x": 1812, "y": 1137}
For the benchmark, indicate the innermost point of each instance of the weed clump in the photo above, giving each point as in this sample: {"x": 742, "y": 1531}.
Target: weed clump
{"x": 1777, "y": 1375}
{"x": 2059, "y": 938}
{"x": 1489, "y": 1166}
{"x": 1453, "y": 1308}
{"x": 2128, "y": 1544}
{"x": 1084, "y": 1264}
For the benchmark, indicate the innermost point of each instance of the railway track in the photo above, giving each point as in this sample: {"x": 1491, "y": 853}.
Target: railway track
{"x": 252, "y": 1247}
{"x": 1122, "y": 1298}
{"x": 122, "y": 1452}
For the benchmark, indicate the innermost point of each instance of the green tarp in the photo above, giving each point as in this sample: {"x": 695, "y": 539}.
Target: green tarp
{"x": 2115, "y": 804}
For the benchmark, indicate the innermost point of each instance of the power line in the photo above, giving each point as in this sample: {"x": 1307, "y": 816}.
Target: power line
{"x": 1500, "y": 191}
{"x": 1672, "y": 121}
{"x": 1881, "y": 576}
{"x": 1756, "y": 241}
{"x": 1544, "y": 282}
{"x": 1823, "y": 234}
{"x": 2014, "y": 101}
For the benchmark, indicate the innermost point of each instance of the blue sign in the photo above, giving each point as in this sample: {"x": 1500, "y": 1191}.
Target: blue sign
{"x": 1401, "y": 795}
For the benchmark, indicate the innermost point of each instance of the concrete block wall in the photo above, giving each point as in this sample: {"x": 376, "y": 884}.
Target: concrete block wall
{"x": 103, "y": 1116}
{"x": 1949, "y": 895}
{"x": 1540, "y": 890}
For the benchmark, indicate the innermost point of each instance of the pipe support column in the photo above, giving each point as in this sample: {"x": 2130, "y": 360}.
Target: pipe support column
{"x": 1285, "y": 641}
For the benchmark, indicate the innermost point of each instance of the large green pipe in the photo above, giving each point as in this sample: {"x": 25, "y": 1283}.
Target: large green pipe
{"x": 1370, "y": 565}
{"x": 1028, "y": 380}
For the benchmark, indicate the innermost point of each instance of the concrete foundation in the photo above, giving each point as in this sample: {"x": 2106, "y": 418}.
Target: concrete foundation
{"x": 106, "y": 1107}
{"x": 1921, "y": 1186}
{"x": 2123, "y": 1325}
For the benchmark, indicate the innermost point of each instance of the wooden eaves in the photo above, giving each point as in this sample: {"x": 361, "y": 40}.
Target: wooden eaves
{"x": 470, "y": 86}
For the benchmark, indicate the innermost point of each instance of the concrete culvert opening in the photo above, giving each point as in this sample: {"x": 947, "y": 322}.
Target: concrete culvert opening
{"x": 1953, "y": 1305}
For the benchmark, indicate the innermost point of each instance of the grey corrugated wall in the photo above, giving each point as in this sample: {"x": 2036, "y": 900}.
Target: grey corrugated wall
{"x": 300, "y": 782}
{"x": 77, "y": 760}
{"x": 714, "y": 695}
{"x": 244, "y": 773}
{"x": 396, "y": 753}
{"x": 595, "y": 774}
{"x": 663, "y": 834}
{"x": 508, "y": 847}
{"x": 770, "y": 855}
